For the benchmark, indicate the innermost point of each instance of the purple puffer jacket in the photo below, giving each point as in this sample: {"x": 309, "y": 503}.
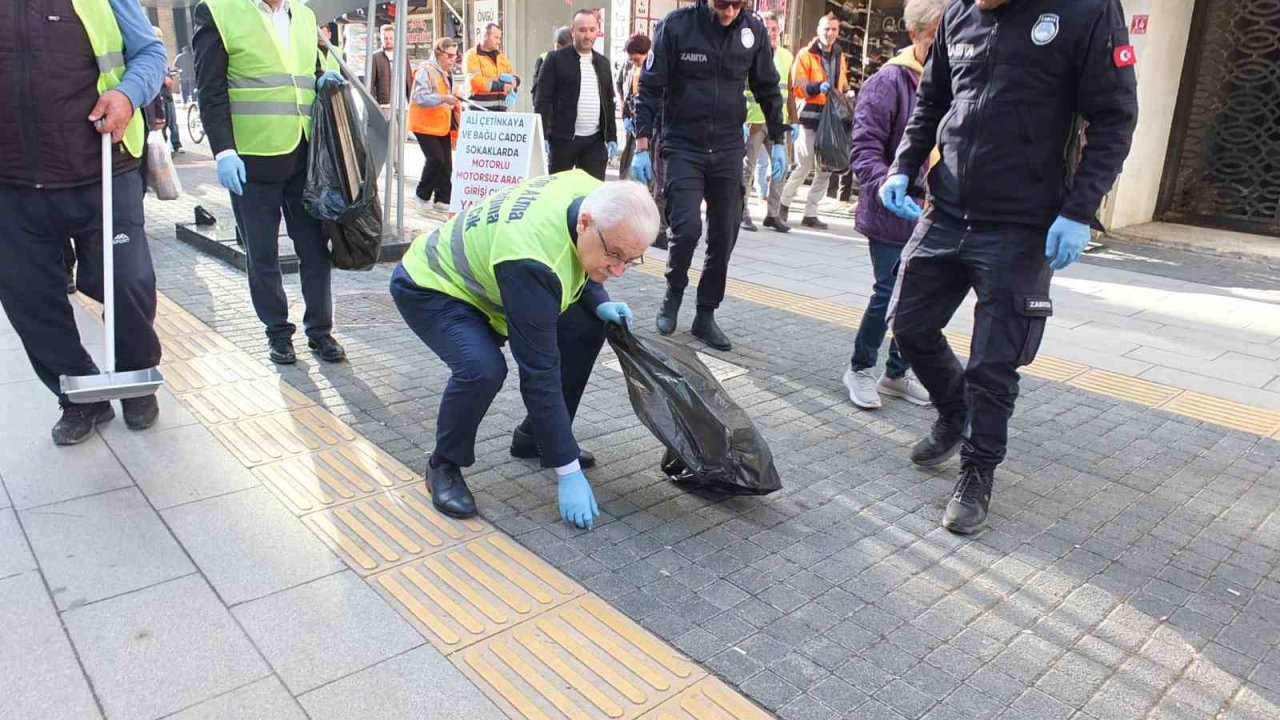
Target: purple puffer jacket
{"x": 885, "y": 104}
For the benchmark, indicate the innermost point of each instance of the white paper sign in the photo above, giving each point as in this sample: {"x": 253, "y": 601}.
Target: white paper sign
{"x": 495, "y": 151}
{"x": 485, "y": 12}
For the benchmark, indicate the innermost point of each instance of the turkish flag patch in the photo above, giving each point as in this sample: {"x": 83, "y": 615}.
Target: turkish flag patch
{"x": 1124, "y": 56}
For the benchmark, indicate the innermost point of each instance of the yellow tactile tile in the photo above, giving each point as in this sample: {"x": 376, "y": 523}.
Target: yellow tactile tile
{"x": 258, "y": 441}
{"x": 190, "y": 345}
{"x": 830, "y": 312}
{"x": 1225, "y": 412}
{"x": 1143, "y": 392}
{"x": 170, "y": 324}
{"x": 335, "y": 476}
{"x": 465, "y": 594}
{"x": 391, "y": 528}
{"x": 208, "y": 371}
{"x": 1051, "y": 368}
{"x": 243, "y": 400}
{"x": 709, "y": 699}
{"x": 580, "y": 660}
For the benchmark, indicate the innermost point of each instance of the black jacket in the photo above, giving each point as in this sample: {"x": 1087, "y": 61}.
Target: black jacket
{"x": 1000, "y": 97}
{"x": 695, "y": 76}
{"x": 558, "y": 83}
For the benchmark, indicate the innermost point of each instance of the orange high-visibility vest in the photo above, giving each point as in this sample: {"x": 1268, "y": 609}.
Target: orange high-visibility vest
{"x": 433, "y": 120}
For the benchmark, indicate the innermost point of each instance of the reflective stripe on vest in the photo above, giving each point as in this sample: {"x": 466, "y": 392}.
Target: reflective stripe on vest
{"x": 271, "y": 88}
{"x": 100, "y": 25}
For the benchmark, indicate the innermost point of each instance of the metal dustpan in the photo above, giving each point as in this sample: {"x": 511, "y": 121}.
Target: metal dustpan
{"x": 110, "y": 385}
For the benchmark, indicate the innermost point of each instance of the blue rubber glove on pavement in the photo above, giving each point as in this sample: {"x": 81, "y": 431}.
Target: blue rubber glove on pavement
{"x": 779, "y": 153}
{"x": 231, "y": 173}
{"x": 618, "y": 313}
{"x": 613, "y": 149}
{"x": 577, "y": 502}
{"x": 642, "y": 167}
{"x": 330, "y": 76}
{"x": 893, "y": 195}
{"x": 629, "y": 125}
{"x": 1066, "y": 240}
{"x": 506, "y": 78}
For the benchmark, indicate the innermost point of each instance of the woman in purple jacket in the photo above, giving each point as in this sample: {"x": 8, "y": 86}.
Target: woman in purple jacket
{"x": 884, "y": 106}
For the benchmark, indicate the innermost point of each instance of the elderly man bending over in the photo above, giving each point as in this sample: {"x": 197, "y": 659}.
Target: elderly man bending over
{"x": 527, "y": 265}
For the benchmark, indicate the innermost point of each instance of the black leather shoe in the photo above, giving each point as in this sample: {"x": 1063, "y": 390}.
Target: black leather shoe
{"x": 815, "y": 223}
{"x": 777, "y": 224}
{"x": 666, "y": 321}
{"x": 705, "y": 327}
{"x": 747, "y": 224}
{"x": 140, "y": 413}
{"x": 662, "y": 242}
{"x": 967, "y": 510}
{"x": 525, "y": 447}
{"x": 942, "y": 442}
{"x": 78, "y": 421}
{"x": 282, "y": 352}
{"x": 449, "y": 492}
{"x": 327, "y": 348}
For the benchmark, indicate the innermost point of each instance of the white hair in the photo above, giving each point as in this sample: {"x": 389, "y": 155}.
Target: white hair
{"x": 624, "y": 205}
{"x": 921, "y": 15}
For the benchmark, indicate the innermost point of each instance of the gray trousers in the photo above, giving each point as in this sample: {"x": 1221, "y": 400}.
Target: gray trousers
{"x": 758, "y": 144}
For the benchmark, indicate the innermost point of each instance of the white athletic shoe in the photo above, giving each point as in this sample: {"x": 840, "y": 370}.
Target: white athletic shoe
{"x": 907, "y": 387}
{"x": 862, "y": 388}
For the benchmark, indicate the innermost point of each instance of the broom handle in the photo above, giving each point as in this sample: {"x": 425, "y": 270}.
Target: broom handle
{"x": 108, "y": 256}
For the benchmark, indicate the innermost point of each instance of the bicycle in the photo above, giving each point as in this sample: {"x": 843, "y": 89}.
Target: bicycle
{"x": 195, "y": 128}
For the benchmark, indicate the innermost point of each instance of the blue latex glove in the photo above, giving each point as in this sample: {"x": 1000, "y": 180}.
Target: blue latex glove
{"x": 613, "y": 149}
{"x": 629, "y": 125}
{"x": 825, "y": 87}
{"x": 642, "y": 167}
{"x": 746, "y": 132}
{"x": 618, "y": 313}
{"x": 330, "y": 76}
{"x": 577, "y": 502}
{"x": 893, "y": 195}
{"x": 231, "y": 173}
{"x": 1066, "y": 240}
{"x": 795, "y": 133}
{"x": 511, "y": 99}
{"x": 506, "y": 78}
{"x": 779, "y": 161}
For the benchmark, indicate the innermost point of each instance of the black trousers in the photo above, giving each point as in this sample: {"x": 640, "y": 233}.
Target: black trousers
{"x": 588, "y": 153}
{"x": 692, "y": 177}
{"x": 461, "y": 336}
{"x": 34, "y": 227}
{"x": 258, "y": 215}
{"x": 437, "y": 172}
{"x": 1006, "y": 268}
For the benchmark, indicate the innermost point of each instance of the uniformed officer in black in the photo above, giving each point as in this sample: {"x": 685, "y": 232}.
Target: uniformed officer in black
{"x": 1005, "y": 86}
{"x": 694, "y": 77}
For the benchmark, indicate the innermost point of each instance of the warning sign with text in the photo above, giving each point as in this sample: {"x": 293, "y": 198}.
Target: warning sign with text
{"x": 495, "y": 150}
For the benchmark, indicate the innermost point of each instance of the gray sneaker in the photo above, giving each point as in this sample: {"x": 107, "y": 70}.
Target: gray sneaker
{"x": 862, "y": 388}
{"x": 907, "y": 387}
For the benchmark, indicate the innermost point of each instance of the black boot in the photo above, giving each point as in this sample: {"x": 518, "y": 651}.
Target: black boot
{"x": 814, "y": 222}
{"x": 281, "y": 352}
{"x": 661, "y": 242}
{"x": 327, "y": 348}
{"x": 747, "y": 224}
{"x": 705, "y": 327}
{"x": 449, "y": 492}
{"x": 140, "y": 413}
{"x": 967, "y": 510}
{"x": 670, "y": 310}
{"x": 777, "y": 223}
{"x": 942, "y": 442}
{"x": 525, "y": 447}
{"x": 78, "y": 421}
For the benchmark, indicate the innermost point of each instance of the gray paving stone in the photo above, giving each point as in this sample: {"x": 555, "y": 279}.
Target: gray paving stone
{"x": 770, "y": 690}
{"x": 329, "y": 628}
{"x": 39, "y": 674}
{"x": 102, "y": 545}
{"x": 179, "y": 464}
{"x": 417, "y": 685}
{"x": 15, "y": 555}
{"x": 158, "y": 650}
{"x": 249, "y": 545}
{"x": 265, "y": 699}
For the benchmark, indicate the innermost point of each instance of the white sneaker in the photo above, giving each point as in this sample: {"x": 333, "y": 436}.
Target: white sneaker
{"x": 862, "y": 388}
{"x": 907, "y": 387}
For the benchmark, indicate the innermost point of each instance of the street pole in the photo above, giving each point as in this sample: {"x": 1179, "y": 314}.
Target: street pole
{"x": 371, "y": 22}
{"x": 400, "y": 108}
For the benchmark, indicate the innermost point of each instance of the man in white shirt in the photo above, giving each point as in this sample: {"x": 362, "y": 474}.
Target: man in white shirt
{"x": 577, "y": 103}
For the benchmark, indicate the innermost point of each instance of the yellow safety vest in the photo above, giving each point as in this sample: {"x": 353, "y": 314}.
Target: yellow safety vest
{"x": 525, "y": 222}
{"x": 108, "y": 49}
{"x": 271, "y": 88}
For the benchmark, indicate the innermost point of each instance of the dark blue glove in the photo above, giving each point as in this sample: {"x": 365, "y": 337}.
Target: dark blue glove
{"x": 231, "y": 173}
{"x": 779, "y": 161}
{"x": 577, "y": 502}
{"x": 893, "y": 195}
{"x": 618, "y": 313}
{"x": 642, "y": 167}
{"x": 329, "y": 76}
{"x": 629, "y": 125}
{"x": 1066, "y": 240}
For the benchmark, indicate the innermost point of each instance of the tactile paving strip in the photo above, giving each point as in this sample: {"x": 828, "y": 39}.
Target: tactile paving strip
{"x": 1225, "y": 412}
{"x": 709, "y": 699}
{"x": 170, "y": 324}
{"x": 274, "y": 437}
{"x": 459, "y": 596}
{"x": 1051, "y": 368}
{"x": 1143, "y": 392}
{"x": 198, "y": 373}
{"x": 190, "y": 345}
{"x": 580, "y": 660}
{"x": 335, "y": 476}
{"x": 393, "y": 527}
{"x": 244, "y": 400}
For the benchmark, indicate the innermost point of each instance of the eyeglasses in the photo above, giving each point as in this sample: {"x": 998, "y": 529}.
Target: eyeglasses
{"x": 726, "y": 4}
{"x": 615, "y": 256}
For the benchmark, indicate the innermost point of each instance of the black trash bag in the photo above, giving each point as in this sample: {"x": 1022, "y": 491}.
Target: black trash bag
{"x": 342, "y": 181}
{"x": 711, "y": 443}
{"x": 834, "y": 129}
